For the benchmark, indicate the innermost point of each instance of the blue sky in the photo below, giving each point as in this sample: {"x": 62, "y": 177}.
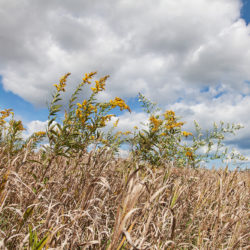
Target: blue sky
{"x": 191, "y": 57}
{"x": 245, "y": 11}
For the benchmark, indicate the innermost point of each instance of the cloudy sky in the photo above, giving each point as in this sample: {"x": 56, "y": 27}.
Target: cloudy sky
{"x": 190, "y": 56}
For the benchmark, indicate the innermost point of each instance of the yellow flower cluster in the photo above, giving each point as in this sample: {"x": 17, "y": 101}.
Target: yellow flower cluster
{"x": 122, "y": 133}
{"x": 100, "y": 85}
{"x": 83, "y": 105}
{"x": 169, "y": 115}
{"x": 104, "y": 119}
{"x": 88, "y": 77}
{"x": 174, "y": 125}
{"x": 171, "y": 120}
{"x": 79, "y": 114}
{"x": 20, "y": 125}
{"x": 4, "y": 114}
{"x": 127, "y": 133}
{"x": 62, "y": 84}
{"x": 118, "y": 102}
{"x": 84, "y": 110}
{"x": 17, "y": 124}
{"x": 155, "y": 122}
{"x": 39, "y": 133}
{"x": 189, "y": 154}
{"x": 186, "y": 134}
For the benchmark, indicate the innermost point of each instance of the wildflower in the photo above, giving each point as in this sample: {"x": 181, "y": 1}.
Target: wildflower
{"x": 104, "y": 119}
{"x": 126, "y": 133}
{"x": 91, "y": 108}
{"x": 100, "y": 85}
{"x": 155, "y": 122}
{"x": 83, "y": 105}
{"x": 17, "y": 125}
{"x": 83, "y": 120}
{"x": 118, "y": 102}
{"x": 87, "y": 108}
{"x": 189, "y": 154}
{"x": 4, "y": 114}
{"x": 88, "y": 77}
{"x": 172, "y": 125}
{"x": 169, "y": 115}
{"x": 78, "y": 113}
{"x": 39, "y": 133}
{"x": 186, "y": 134}
{"x": 62, "y": 84}
{"x": 79, "y": 105}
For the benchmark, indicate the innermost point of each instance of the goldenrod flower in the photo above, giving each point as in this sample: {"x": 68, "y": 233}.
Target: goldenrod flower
{"x": 171, "y": 125}
{"x": 186, "y": 134}
{"x": 126, "y": 133}
{"x": 155, "y": 122}
{"x": 118, "y": 102}
{"x": 40, "y": 133}
{"x": 62, "y": 84}
{"x": 189, "y": 154}
{"x": 19, "y": 126}
{"x": 100, "y": 85}
{"x": 169, "y": 115}
{"x": 4, "y": 114}
{"x": 88, "y": 77}
{"x": 104, "y": 119}
{"x": 79, "y": 105}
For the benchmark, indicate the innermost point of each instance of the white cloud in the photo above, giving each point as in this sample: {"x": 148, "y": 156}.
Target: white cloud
{"x": 128, "y": 121}
{"x": 154, "y": 48}
{"x": 35, "y": 126}
{"x": 227, "y": 108}
{"x": 166, "y": 49}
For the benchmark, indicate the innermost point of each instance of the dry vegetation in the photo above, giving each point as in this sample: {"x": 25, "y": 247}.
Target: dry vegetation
{"x": 99, "y": 202}
{"x": 64, "y": 196}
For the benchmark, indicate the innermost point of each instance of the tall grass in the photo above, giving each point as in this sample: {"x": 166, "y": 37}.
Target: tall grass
{"x": 67, "y": 197}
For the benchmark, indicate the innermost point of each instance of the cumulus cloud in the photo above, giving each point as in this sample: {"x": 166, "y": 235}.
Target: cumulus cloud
{"x": 192, "y": 55}
{"x": 227, "y": 108}
{"x": 154, "y": 48}
{"x": 35, "y": 126}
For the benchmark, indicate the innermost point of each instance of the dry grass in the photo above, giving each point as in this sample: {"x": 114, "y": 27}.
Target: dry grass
{"x": 96, "y": 201}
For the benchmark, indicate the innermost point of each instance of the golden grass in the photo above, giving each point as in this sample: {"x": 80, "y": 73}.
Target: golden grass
{"x": 96, "y": 201}
{"x": 63, "y": 197}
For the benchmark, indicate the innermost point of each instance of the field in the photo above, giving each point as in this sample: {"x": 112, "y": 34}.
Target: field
{"x": 96, "y": 201}
{"x": 75, "y": 192}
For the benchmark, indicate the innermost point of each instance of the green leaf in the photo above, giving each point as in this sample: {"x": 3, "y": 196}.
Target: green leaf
{"x": 42, "y": 242}
{"x": 28, "y": 212}
{"x": 51, "y": 121}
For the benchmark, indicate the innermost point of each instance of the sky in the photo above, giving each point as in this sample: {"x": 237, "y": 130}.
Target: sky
{"x": 189, "y": 56}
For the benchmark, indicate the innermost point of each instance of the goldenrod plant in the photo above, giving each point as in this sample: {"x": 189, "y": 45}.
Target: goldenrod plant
{"x": 75, "y": 193}
{"x": 163, "y": 141}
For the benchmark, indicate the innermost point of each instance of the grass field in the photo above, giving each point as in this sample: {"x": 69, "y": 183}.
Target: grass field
{"x": 96, "y": 201}
{"x": 64, "y": 196}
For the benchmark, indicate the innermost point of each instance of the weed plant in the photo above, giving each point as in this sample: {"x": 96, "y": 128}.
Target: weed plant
{"x": 65, "y": 196}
